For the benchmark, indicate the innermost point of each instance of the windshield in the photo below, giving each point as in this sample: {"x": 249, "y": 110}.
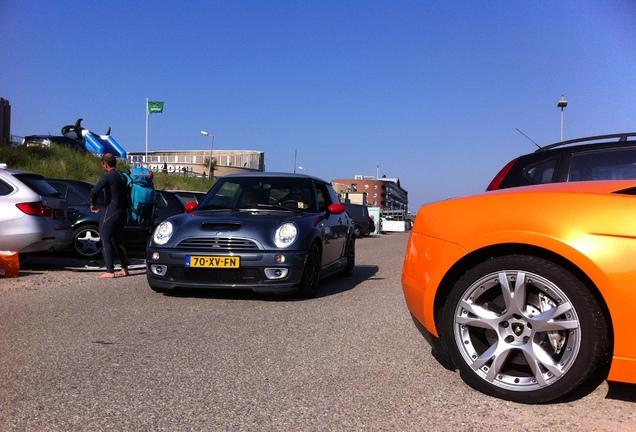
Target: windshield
{"x": 261, "y": 192}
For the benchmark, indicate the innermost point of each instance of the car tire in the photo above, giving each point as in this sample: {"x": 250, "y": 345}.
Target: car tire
{"x": 524, "y": 329}
{"x": 87, "y": 241}
{"x": 351, "y": 258}
{"x": 311, "y": 273}
{"x": 357, "y": 231}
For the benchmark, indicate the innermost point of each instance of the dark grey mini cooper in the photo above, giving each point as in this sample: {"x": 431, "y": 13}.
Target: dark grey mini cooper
{"x": 271, "y": 233}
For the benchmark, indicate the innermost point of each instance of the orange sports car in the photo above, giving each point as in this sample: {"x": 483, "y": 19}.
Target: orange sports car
{"x": 531, "y": 291}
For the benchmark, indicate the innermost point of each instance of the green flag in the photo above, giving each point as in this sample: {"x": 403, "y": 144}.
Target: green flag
{"x": 155, "y": 107}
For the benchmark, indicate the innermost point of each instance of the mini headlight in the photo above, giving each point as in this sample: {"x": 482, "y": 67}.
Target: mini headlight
{"x": 162, "y": 233}
{"x": 285, "y": 235}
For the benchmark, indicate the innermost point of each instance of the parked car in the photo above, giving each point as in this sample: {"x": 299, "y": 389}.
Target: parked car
{"x": 360, "y": 215}
{"x": 534, "y": 297}
{"x": 271, "y": 233}
{"x": 47, "y": 140}
{"x": 167, "y": 203}
{"x": 86, "y": 238}
{"x": 603, "y": 157}
{"x": 33, "y": 215}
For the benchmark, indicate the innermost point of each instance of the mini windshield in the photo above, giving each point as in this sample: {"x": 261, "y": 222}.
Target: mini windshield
{"x": 285, "y": 193}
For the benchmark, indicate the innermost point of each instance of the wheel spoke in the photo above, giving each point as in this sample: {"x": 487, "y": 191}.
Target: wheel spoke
{"x": 483, "y": 317}
{"x": 545, "y": 321}
{"x": 499, "y": 360}
{"x": 538, "y": 359}
{"x": 498, "y": 353}
{"x": 514, "y": 296}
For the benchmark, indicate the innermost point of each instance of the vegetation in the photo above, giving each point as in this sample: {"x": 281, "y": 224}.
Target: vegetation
{"x": 62, "y": 162}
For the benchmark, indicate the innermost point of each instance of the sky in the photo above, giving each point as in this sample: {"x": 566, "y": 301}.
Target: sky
{"x": 435, "y": 93}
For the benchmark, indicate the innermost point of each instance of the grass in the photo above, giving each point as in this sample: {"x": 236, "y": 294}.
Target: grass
{"x": 66, "y": 163}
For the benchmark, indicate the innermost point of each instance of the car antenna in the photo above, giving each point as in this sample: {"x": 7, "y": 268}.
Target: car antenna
{"x": 528, "y": 137}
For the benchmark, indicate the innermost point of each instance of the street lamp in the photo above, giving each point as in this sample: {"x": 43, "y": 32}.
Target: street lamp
{"x": 211, "y": 150}
{"x": 562, "y": 104}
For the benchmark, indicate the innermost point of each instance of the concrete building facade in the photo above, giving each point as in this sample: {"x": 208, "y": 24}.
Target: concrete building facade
{"x": 385, "y": 193}
{"x": 197, "y": 162}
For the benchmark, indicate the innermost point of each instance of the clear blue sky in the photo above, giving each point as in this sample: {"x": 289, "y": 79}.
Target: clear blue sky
{"x": 431, "y": 91}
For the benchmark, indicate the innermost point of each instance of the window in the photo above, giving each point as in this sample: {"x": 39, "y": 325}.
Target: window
{"x": 612, "y": 164}
{"x": 74, "y": 198}
{"x": 543, "y": 172}
{"x": 5, "y": 188}
{"x": 323, "y": 197}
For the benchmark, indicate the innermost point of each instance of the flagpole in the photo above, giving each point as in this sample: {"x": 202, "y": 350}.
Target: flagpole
{"x": 146, "y": 160}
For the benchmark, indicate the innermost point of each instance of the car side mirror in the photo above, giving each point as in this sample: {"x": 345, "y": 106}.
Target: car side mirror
{"x": 336, "y": 209}
{"x": 191, "y": 206}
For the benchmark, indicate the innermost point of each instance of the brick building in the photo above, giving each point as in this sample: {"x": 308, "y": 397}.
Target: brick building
{"x": 383, "y": 192}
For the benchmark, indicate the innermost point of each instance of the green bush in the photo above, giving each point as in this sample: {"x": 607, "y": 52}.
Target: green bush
{"x": 63, "y": 162}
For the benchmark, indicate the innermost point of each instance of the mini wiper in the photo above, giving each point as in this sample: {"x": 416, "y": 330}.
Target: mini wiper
{"x": 212, "y": 207}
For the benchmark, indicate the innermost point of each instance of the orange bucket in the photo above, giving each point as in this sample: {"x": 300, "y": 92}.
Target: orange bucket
{"x": 9, "y": 264}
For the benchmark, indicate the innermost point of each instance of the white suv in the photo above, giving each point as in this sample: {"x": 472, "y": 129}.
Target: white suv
{"x": 32, "y": 213}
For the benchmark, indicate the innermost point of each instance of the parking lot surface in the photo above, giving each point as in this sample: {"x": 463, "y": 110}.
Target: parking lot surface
{"x": 84, "y": 354}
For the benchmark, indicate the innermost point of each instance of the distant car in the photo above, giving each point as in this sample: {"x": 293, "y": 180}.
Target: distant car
{"x": 271, "y": 233}
{"x": 360, "y": 215}
{"x": 33, "y": 215}
{"x": 167, "y": 203}
{"x": 47, "y": 140}
{"x": 86, "y": 238}
{"x": 603, "y": 157}
{"x": 529, "y": 290}
{"x": 189, "y": 196}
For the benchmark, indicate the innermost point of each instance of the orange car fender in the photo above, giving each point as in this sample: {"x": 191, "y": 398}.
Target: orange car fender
{"x": 598, "y": 257}
{"x": 426, "y": 262}
{"x": 595, "y": 256}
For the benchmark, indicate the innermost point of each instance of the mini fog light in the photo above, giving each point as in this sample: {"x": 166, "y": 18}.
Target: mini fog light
{"x": 155, "y": 255}
{"x": 279, "y": 258}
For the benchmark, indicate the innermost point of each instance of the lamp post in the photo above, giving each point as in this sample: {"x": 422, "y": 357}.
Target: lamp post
{"x": 562, "y": 104}
{"x": 211, "y": 150}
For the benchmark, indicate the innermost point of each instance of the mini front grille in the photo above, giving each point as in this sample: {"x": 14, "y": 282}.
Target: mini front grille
{"x": 218, "y": 243}
{"x": 223, "y": 276}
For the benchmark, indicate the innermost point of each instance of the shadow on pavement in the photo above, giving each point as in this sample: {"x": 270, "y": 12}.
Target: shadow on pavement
{"x": 329, "y": 286}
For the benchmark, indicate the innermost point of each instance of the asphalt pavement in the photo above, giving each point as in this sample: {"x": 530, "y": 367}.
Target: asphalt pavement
{"x": 84, "y": 354}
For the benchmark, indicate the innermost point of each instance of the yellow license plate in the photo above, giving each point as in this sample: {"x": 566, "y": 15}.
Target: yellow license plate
{"x": 213, "y": 261}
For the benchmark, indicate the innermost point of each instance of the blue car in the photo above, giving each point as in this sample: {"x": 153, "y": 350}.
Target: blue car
{"x": 271, "y": 233}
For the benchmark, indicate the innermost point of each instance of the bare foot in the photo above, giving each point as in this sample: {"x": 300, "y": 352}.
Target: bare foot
{"x": 122, "y": 272}
{"x": 106, "y": 276}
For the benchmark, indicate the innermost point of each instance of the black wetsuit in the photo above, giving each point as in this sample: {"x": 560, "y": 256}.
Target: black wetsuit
{"x": 113, "y": 217}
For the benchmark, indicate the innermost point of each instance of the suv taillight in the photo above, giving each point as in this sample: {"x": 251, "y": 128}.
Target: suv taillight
{"x": 35, "y": 209}
{"x": 501, "y": 175}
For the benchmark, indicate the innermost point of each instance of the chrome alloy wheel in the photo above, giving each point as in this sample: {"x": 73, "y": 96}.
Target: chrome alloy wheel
{"x": 517, "y": 330}
{"x": 87, "y": 241}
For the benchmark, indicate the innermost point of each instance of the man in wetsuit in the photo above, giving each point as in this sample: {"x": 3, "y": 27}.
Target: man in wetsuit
{"x": 113, "y": 217}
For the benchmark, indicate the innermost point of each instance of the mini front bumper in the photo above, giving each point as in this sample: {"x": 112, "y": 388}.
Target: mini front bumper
{"x": 260, "y": 271}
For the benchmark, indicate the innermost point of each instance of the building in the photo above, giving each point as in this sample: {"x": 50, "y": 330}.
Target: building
{"x": 385, "y": 193}
{"x": 197, "y": 162}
